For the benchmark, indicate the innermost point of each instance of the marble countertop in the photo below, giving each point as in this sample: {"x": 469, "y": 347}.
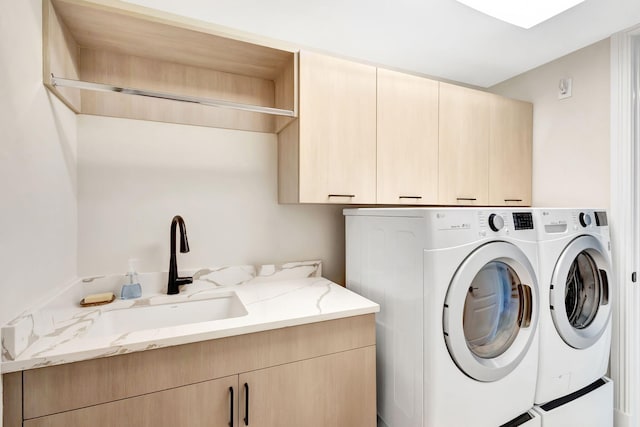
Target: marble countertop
{"x": 59, "y": 331}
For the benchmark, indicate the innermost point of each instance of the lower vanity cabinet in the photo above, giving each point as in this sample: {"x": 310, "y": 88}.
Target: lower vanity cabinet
{"x": 208, "y": 403}
{"x": 317, "y": 374}
{"x": 333, "y": 390}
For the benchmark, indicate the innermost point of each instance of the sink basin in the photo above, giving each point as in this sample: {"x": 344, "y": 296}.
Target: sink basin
{"x": 122, "y": 321}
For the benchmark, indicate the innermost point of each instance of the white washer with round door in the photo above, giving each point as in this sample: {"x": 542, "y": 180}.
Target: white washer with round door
{"x": 575, "y": 317}
{"x": 457, "y": 341}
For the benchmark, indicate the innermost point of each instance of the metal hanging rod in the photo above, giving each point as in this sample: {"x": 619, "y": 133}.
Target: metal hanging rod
{"x": 100, "y": 87}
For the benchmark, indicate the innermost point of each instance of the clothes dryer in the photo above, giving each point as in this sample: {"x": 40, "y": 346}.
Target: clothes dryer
{"x": 575, "y": 280}
{"x": 457, "y": 341}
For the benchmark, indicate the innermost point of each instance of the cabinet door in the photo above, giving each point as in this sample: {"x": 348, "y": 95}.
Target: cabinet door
{"x": 464, "y": 146}
{"x": 203, "y": 404}
{"x": 334, "y": 390}
{"x": 407, "y": 150}
{"x": 510, "y": 152}
{"x": 337, "y": 146}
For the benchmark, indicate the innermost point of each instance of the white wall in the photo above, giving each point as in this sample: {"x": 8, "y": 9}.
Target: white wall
{"x": 570, "y": 136}
{"x": 38, "y": 243}
{"x": 134, "y": 176}
{"x": 38, "y": 210}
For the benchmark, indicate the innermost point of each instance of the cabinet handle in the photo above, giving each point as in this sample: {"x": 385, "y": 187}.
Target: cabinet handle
{"x": 230, "y": 406}
{"x": 512, "y": 200}
{"x": 471, "y": 199}
{"x": 246, "y": 404}
{"x": 410, "y": 197}
{"x": 342, "y": 195}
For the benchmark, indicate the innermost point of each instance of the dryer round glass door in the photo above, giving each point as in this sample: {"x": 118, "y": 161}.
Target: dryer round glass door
{"x": 579, "y": 292}
{"x": 490, "y": 312}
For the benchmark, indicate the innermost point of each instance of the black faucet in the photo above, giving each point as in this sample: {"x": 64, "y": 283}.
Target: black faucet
{"x": 173, "y": 287}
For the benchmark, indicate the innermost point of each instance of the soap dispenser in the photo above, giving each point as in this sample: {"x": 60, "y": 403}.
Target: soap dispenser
{"x": 132, "y": 289}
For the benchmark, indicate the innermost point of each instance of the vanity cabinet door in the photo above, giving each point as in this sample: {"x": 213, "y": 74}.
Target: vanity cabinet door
{"x": 464, "y": 146}
{"x": 208, "y": 403}
{"x": 510, "y": 152}
{"x": 334, "y": 390}
{"x": 407, "y": 139}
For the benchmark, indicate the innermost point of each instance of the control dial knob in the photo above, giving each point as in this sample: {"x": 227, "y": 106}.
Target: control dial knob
{"x": 496, "y": 222}
{"x": 585, "y": 219}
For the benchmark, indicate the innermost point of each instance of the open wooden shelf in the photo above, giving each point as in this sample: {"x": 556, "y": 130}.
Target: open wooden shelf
{"x": 115, "y": 59}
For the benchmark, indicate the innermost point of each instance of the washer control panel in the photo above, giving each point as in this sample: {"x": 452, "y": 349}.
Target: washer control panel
{"x": 505, "y": 223}
{"x": 523, "y": 221}
{"x": 496, "y": 222}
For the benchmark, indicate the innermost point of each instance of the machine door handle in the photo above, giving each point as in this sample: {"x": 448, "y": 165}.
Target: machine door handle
{"x": 604, "y": 298}
{"x": 526, "y": 306}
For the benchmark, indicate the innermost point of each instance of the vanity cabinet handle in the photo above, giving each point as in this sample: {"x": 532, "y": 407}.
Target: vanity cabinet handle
{"x": 512, "y": 200}
{"x": 230, "y": 406}
{"x": 342, "y": 195}
{"x": 410, "y": 197}
{"x": 246, "y": 404}
{"x": 468, "y": 199}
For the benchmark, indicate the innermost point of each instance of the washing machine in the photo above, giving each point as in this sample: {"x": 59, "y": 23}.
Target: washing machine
{"x": 457, "y": 341}
{"x": 576, "y": 286}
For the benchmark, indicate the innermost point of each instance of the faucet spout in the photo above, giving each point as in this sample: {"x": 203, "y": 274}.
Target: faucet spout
{"x": 174, "y": 283}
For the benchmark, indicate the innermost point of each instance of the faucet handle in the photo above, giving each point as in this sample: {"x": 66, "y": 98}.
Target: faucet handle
{"x": 184, "y": 280}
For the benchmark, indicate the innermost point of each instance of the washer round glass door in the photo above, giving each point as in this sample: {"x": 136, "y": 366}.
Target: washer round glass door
{"x": 579, "y": 292}
{"x": 491, "y": 310}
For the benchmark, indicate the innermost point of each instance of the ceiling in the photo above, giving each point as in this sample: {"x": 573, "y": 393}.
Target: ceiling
{"x": 439, "y": 38}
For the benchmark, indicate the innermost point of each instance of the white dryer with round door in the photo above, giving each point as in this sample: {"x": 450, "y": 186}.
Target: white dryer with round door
{"x": 457, "y": 341}
{"x": 576, "y": 281}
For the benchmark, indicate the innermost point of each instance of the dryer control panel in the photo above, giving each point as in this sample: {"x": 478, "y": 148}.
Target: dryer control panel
{"x": 559, "y": 221}
{"x": 601, "y": 218}
{"x": 588, "y": 219}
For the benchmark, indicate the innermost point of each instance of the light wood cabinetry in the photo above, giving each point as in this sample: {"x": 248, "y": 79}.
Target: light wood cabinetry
{"x": 510, "y": 152}
{"x": 329, "y": 154}
{"x": 464, "y": 146}
{"x": 142, "y": 51}
{"x": 333, "y": 390}
{"x": 407, "y": 139}
{"x": 485, "y": 148}
{"x": 162, "y": 384}
{"x": 348, "y": 133}
{"x": 12, "y": 399}
{"x": 203, "y": 404}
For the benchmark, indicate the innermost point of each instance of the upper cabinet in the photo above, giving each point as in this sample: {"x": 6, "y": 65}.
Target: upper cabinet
{"x": 407, "y": 139}
{"x": 348, "y": 133}
{"x": 510, "y": 154}
{"x": 464, "y": 146}
{"x": 117, "y": 59}
{"x": 328, "y": 155}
